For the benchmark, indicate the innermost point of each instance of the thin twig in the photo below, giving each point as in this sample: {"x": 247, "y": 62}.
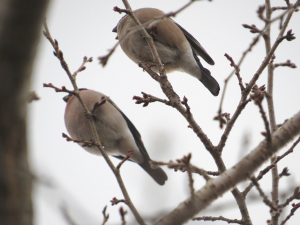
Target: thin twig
{"x": 219, "y": 218}
{"x": 186, "y": 161}
{"x": 246, "y": 92}
{"x": 237, "y": 71}
{"x": 123, "y": 213}
{"x": 182, "y": 167}
{"x": 59, "y": 54}
{"x": 284, "y": 173}
{"x": 263, "y": 195}
{"x": 288, "y": 63}
{"x": 293, "y": 210}
{"x": 146, "y": 99}
{"x": 296, "y": 195}
{"x": 268, "y": 168}
{"x": 130, "y": 152}
{"x": 257, "y": 96}
{"x": 253, "y": 43}
{"x": 82, "y": 142}
{"x": 105, "y": 216}
{"x": 275, "y": 177}
{"x": 57, "y": 89}
{"x": 82, "y": 67}
{"x": 116, "y": 201}
{"x": 98, "y": 104}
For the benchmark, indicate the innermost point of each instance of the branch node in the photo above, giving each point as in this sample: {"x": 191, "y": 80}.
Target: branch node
{"x": 130, "y": 152}
{"x": 116, "y": 201}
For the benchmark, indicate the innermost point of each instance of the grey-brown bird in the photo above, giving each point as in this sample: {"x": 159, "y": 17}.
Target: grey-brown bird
{"x": 177, "y": 48}
{"x": 116, "y": 132}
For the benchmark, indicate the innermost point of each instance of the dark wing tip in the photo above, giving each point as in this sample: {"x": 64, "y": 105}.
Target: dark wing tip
{"x": 211, "y": 62}
{"x": 216, "y": 91}
{"x": 196, "y": 46}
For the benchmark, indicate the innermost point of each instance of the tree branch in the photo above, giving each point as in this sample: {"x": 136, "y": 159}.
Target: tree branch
{"x": 246, "y": 92}
{"x": 230, "y": 178}
{"x": 59, "y": 54}
{"x": 219, "y": 218}
{"x": 268, "y": 168}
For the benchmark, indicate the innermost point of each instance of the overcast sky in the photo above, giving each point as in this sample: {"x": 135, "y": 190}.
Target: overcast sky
{"x": 83, "y": 181}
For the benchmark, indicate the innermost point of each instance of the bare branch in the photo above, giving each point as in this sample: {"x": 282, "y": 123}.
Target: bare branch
{"x": 146, "y": 99}
{"x": 62, "y": 89}
{"x": 116, "y": 201}
{"x": 123, "y": 213}
{"x": 252, "y": 44}
{"x": 231, "y": 177}
{"x": 290, "y": 11}
{"x": 82, "y": 67}
{"x": 186, "y": 161}
{"x": 257, "y": 96}
{"x": 59, "y": 54}
{"x": 288, "y": 63}
{"x": 293, "y": 210}
{"x": 253, "y": 28}
{"x": 237, "y": 71}
{"x": 98, "y": 104}
{"x": 268, "y": 168}
{"x": 182, "y": 167}
{"x": 264, "y": 64}
{"x": 296, "y": 195}
{"x": 130, "y": 152}
{"x": 263, "y": 195}
{"x": 284, "y": 173}
{"x": 219, "y": 218}
{"x": 105, "y": 216}
{"x": 82, "y": 142}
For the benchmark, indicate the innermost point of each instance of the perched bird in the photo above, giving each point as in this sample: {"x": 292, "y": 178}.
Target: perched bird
{"x": 116, "y": 133}
{"x": 177, "y": 48}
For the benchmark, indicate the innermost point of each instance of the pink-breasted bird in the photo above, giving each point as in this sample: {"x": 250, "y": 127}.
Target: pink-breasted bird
{"x": 177, "y": 48}
{"x": 116, "y": 132}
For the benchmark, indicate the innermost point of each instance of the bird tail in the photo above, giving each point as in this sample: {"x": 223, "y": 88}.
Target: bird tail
{"x": 209, "y": 82}
{"x": 156, "y": 173}
{"x": 206, "y": 78}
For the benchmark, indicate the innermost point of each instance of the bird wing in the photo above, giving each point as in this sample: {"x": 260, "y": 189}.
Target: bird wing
{"x": 136, "y": 135}
{"x": 196, "y": 46}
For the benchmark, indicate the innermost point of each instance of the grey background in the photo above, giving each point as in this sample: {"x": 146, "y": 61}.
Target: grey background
{"x": 83, "y": 181}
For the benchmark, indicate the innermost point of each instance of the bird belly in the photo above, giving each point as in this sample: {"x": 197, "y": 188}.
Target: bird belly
{"x": 189, "y": 65}
{"x": 116, "y": 140}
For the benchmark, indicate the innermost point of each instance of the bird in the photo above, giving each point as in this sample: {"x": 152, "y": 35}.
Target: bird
{"x": 177, "y": 48}
{"x": 116, "y": 132}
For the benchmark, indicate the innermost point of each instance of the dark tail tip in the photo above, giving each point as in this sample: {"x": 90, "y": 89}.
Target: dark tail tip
{"x": 157, "y": 174}
{"x": 209, "y": 82}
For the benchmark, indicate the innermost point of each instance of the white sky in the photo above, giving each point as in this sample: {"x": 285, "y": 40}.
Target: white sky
{"x": 84, "y": 181}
